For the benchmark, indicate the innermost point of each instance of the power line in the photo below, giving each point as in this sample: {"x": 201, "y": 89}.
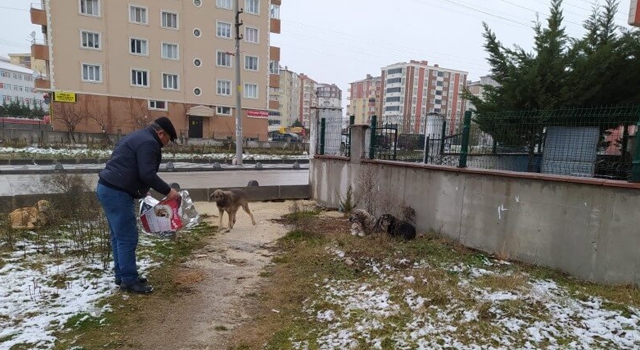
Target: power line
{"x": 13, "y": 8}
{"x": 379, "y": 48}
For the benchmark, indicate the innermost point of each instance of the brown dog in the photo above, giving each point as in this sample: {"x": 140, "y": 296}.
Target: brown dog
{"x": 230, "y": 202}
{"x": 30, "y": 217}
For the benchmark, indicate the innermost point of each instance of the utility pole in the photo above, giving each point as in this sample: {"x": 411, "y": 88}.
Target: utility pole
{"x": 239, "y": 36}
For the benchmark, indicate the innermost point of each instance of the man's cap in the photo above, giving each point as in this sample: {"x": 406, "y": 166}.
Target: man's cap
{"x": 167, "y": 126}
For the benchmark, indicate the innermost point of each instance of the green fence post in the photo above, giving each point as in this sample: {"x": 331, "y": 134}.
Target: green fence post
{"x": 352, "y": 120}
{"x": 635, "y": 172}
{"x": 322, "y": 130}
{"x": 372, "y": 145}
{"x": 466, "y": 129}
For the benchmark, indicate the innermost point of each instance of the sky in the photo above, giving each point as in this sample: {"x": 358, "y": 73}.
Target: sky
{"x": 341, "y": 41}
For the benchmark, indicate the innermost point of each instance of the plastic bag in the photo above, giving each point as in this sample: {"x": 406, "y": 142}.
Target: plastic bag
{"x": 164, "y": 220}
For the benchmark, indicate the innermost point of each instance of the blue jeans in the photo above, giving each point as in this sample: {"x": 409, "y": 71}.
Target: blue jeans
{"x": 119, "y": 207}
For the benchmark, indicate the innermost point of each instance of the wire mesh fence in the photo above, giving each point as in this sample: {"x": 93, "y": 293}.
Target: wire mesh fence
{"x": 334, "y": 136}
{"x": 598, "y": 142}
{"x": 584, "y": 142}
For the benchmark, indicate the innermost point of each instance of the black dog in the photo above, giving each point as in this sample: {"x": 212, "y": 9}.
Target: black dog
{"x": 396, "y": 227}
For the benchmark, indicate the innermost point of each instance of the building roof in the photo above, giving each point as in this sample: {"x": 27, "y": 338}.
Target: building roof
{"x": 15, "y": 68}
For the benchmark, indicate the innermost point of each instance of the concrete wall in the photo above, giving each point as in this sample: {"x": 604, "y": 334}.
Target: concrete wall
{"x": 585, "y": 227}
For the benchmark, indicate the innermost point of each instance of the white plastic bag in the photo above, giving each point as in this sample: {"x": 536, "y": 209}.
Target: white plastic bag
{"x": 163, "y": 220}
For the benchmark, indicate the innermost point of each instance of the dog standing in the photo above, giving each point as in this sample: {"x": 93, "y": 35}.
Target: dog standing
{"x": 363, "y": 223}
{"x": 30, "y": 217}
{"x": 396, "y": 228}
{"x": 230, "y": 202}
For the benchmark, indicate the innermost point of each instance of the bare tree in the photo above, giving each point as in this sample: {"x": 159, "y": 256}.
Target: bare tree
{"x": 138, "y": 114}
{"x": 105, "y": 123}
{"x": 70, "y": 115}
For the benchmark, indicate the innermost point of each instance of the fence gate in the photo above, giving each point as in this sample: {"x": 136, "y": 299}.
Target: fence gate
{"x": 384, "y": 141}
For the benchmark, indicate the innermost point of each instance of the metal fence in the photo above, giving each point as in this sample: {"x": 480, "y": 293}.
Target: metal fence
{"x": 584, "y": 142}
{"x": 334, "y": 138}
{"x": 599, "y": 142}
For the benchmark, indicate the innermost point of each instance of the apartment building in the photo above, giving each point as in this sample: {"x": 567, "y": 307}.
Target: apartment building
{"x": 412, "y": 89}
{"x": 289, "y": 97}
{"x": 26, "y": 60}
{"x": 329, "y": 96}
{"x": 128, "y": 62}
{"x": 308, "y": 99}
{"x": 17, "y": 85}
{"x": 477, "y": 87}
{"x": 365, "y": 99}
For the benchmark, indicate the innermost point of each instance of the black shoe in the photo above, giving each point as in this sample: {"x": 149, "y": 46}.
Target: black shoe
{"x": 140, "y": 279}
{"x": 136, "y": 287}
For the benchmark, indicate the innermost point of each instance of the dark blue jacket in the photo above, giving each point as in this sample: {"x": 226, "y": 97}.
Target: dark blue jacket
{"x": 134, "y": 164}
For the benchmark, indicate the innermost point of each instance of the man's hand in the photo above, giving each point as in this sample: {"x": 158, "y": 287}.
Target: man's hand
{"x": 173, "y": 194}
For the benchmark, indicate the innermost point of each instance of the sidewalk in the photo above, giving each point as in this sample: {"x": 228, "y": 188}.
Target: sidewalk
{"x": 164, "y": 167}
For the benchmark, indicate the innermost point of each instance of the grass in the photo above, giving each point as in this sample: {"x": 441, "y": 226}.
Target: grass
{"x": 318, "y": 259}
{"x": 110, "y": 330}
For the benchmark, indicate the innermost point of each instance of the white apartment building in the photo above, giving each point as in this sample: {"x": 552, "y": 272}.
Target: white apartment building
{"x": 17, "y": 84}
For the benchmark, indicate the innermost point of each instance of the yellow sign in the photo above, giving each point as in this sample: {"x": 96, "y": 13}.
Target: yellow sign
{"x": 61, "y": 96}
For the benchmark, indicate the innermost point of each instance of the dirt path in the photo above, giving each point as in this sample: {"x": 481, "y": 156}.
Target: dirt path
{"x": 219, "y": 276}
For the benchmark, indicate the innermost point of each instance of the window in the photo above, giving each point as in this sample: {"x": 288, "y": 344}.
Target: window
{"x": 155, "y": 104}
{"x": 223, "y": 30}
{"x": 224, "y": 4}
{"x": 139, "y": 77}
{"x": 170, "y": 51}
{"x": 139, "y": 47}
{"x": 251, "y": 35}
{"x": 251, "y": 63}
{"x": 223, "y": 59}
{"x": 394, "y": 71}
{"x": 169, "y": 20}
{"x": 137, "y": 14}
{"x": 252, "y": 6}
{"x": 224, "y": 87}
{"x": 274, "y": 11}
{"x": 394, "y": 80}
{"x": 274, "y": 67}
{"x": 170, "y": 81}
{"x": 91, "y": 73}
{"x": 90, "y": 7}
{"x": 439, "y": 83}
{"x": 90, "y": 40}
{"x": 392, "y": 90}
{"x": 392, "y": 108}
{"x": 223, "y": 110}
{"x": 250, "y": 90}
{"x": 393, "y": 99}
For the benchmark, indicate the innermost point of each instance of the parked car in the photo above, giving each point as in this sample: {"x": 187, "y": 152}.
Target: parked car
{"x": 286, "y": 137}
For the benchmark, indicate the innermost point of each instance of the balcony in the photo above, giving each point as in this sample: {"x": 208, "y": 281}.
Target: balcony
{"x": 42, "y": 83}
{"x": 275, "y": 25}
{"x": 38, "y": 16}
{"x": 274, "y": 53}
{"x": 274, "y": 80}
{"x": 274, "y": 105}
{"x": 40, "y": 52}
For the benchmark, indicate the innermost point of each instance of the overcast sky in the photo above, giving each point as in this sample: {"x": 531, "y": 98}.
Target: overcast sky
{"x": 340, "y": 41}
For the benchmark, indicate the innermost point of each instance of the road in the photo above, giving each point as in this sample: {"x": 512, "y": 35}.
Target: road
{"x": 11, "y": 185}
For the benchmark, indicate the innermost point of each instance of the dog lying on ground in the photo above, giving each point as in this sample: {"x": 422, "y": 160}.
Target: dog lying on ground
{"x": 30, "y": 217}
{"x": 362, "y": 223}
{"x": 230, "y": 202}
{"x": 395, "y": 227}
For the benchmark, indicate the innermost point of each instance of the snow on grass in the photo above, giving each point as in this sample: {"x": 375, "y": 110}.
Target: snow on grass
{"x": 104, "y": 154}
{"x": 39, "y": 293}
{"x": 397, "y": 308}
